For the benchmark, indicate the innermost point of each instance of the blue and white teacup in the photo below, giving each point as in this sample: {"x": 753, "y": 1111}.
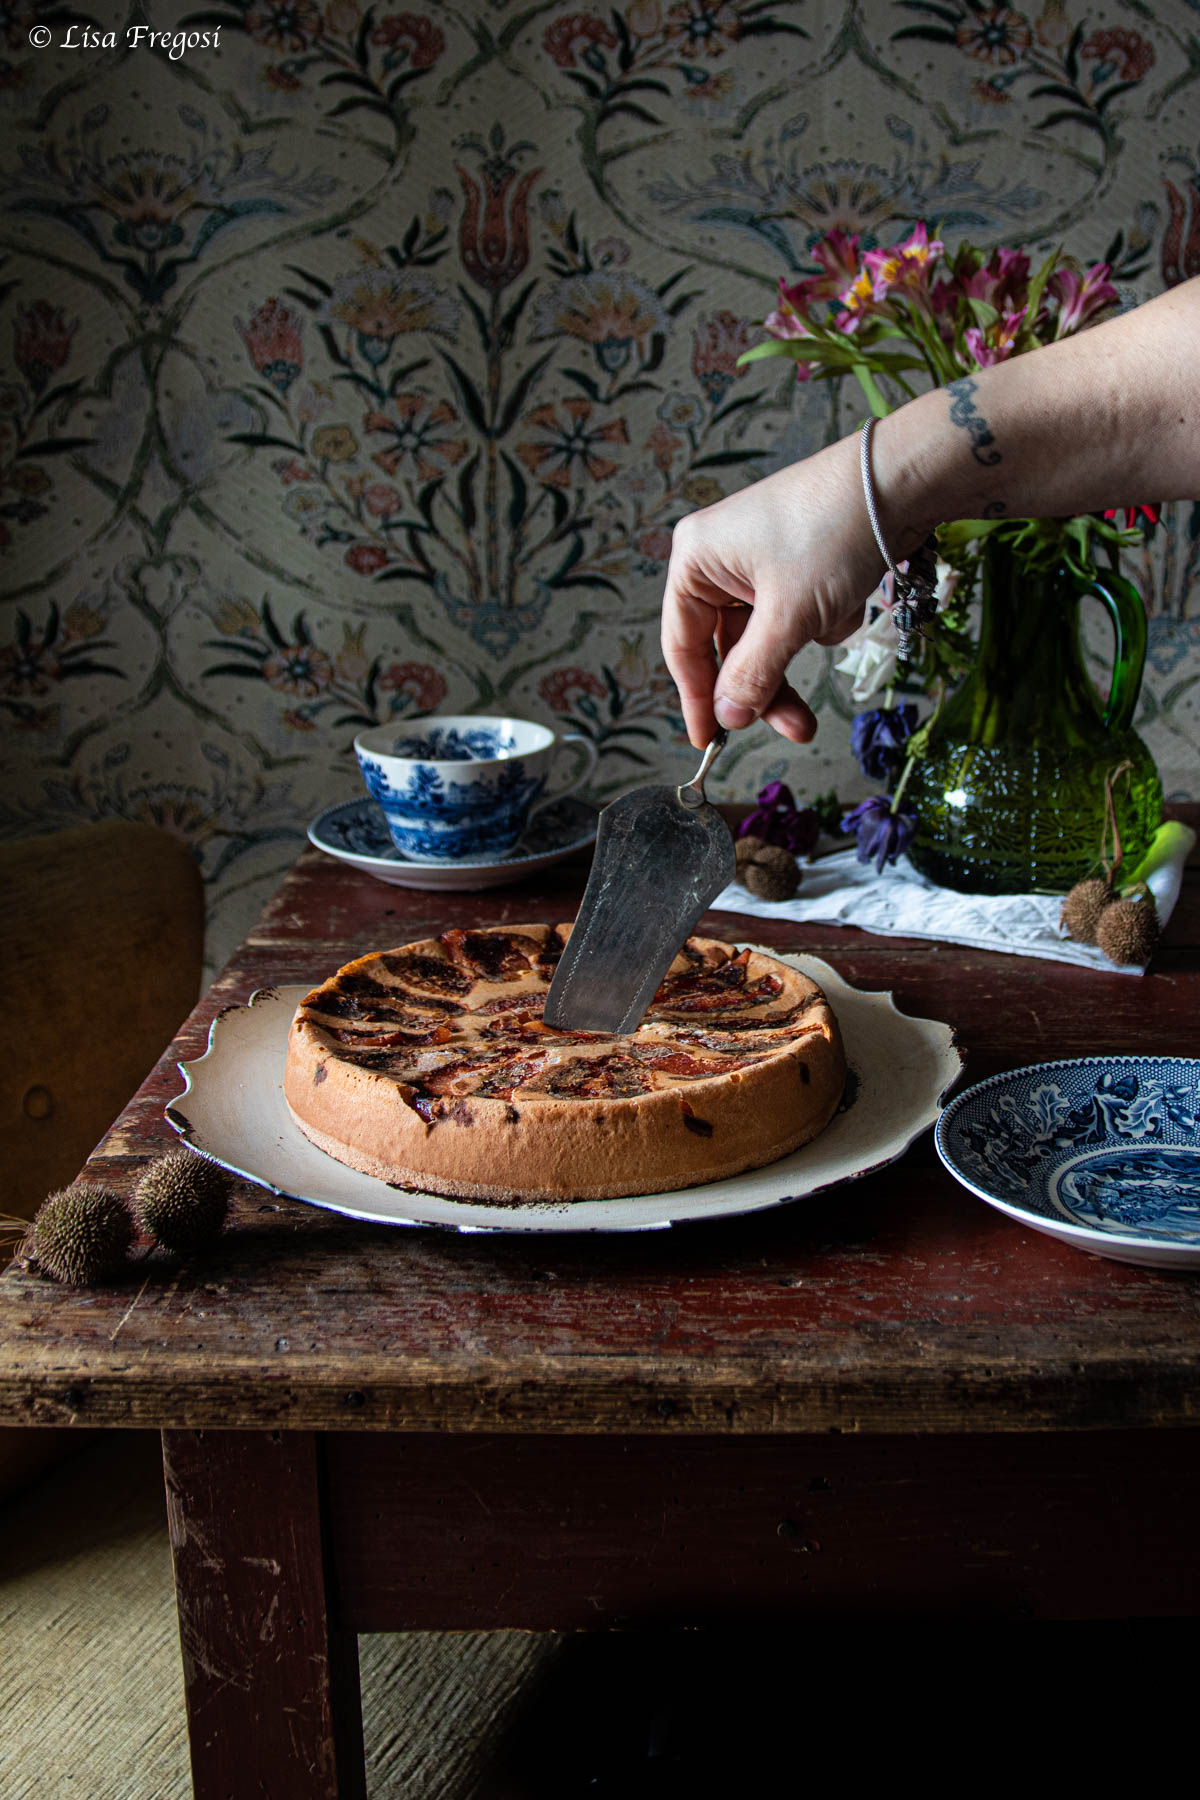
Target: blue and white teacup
{"x": 462, "y": 788}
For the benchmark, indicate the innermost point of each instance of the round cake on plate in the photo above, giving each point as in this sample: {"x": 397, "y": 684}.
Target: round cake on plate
{"x": 430, "y": 1067}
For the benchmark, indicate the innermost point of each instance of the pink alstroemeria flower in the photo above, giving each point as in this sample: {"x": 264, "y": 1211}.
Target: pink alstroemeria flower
{"x": 1011, "y": 265}
{"x": 908, "y": 265}
{"x": 786, "y": 324}
{"x": 858, "y": 300}
{"x": 1080, "y": 298}
{"x": 945, "y": 299}
{"x": 945, "y": 295}
{"x": 998, "y": 343}
{"x": 837, "y": 256}
{"x": 1001, "y": 280}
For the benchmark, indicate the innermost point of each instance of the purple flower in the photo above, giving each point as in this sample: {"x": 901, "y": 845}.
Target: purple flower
{"x": 882, "y": 834}
{"x": 777, "y": 820}
{"x": 878, "y": 738}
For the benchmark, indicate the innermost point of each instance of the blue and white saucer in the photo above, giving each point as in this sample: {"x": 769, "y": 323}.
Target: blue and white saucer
{"x": 1101, "y": 1151}
{"x": 356, "y": 832}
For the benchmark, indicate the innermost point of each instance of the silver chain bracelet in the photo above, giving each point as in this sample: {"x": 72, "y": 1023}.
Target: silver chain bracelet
{"x": 914, "y": 603}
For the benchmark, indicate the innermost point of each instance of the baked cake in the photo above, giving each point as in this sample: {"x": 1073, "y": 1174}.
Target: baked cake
{"x": 430, "y": 1067}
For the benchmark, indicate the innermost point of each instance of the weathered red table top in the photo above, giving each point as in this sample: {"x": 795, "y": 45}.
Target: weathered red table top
{"x": 894, "y": 1304}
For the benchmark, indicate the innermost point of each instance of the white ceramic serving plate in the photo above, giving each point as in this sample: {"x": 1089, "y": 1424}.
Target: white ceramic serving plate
{"x": 355, "y": 832}
{"x": 1102, "y": 1152}
{"x": 232, "y": 1110}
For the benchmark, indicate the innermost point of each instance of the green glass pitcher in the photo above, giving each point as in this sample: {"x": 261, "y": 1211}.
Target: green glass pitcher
{"x": 1008, "y": 779}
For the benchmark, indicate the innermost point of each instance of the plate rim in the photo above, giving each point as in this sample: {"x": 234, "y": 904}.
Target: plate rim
{"x": 398, "y": 861}
{"x": 554, "y": 1216}
{"x": 1087, "y": 1235}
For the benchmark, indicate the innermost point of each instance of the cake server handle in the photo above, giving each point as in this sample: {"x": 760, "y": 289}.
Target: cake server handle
{"x": 692, "y": 792}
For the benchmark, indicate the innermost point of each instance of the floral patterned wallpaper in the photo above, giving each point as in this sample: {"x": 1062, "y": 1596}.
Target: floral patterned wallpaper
{"x": 356, "y": 360}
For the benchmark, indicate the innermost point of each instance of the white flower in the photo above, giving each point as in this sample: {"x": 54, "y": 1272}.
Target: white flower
{"x": 869, "y": 656}
{"x": 948, "y": 579}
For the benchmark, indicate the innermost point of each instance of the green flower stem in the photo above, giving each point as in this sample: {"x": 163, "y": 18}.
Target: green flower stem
{"x": 910, "y": 763}
{"x": 921, "y": 331}
{"x": 918, "y": 737}
{"x": 875, "y": 399}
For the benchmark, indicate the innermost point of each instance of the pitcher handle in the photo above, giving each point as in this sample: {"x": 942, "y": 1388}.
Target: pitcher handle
{"x": 589, "y": 763}
{"x": 1128, "y": 614}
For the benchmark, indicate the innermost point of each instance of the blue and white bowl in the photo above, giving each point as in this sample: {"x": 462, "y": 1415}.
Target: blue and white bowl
{"x": 460, "y": 787}
{"x": 1100, "y": 1151}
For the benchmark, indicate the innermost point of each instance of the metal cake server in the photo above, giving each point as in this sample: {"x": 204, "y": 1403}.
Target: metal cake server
{"x": 662, "y": 855}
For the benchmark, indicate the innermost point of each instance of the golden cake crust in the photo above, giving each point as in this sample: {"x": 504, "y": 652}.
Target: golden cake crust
{"x": 429, "y": 1066}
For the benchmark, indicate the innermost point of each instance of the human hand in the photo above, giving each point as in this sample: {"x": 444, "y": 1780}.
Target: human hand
{"x": 786, "y": 562}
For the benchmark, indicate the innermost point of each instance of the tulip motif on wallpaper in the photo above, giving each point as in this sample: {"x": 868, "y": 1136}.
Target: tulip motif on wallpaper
{"x": 407, "y": 420}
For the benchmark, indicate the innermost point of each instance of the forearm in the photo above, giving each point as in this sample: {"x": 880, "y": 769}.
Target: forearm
{"x": 1108, "y": 418}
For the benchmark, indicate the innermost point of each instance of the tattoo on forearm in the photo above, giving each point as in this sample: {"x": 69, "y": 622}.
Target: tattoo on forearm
{"x": 962, "y": 412}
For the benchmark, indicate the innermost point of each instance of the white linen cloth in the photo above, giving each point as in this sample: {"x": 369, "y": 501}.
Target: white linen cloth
{"x": 839, "y": 890}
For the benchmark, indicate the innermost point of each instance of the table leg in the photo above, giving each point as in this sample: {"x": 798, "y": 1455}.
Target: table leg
{"x": 271, "y": 1682}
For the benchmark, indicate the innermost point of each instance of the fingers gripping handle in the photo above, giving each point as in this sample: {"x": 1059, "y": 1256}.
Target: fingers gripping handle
{"x": 692, "y": 793}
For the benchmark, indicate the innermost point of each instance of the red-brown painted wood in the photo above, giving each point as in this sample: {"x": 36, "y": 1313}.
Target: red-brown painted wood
{"x": 271, "y": 1679}
{"x": 551, "y": 1533}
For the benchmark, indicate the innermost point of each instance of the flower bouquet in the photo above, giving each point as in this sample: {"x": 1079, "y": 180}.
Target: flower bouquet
{"x": 1001, "y": 789}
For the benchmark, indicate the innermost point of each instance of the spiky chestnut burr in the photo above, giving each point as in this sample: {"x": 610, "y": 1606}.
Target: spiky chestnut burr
{"x": 1129, "y": 931}
{"x": 767, "y": 870}
{"x": 182, "y": 1201}
{"x": 1083, "y": 906}
{"x": 80, "y": 1235}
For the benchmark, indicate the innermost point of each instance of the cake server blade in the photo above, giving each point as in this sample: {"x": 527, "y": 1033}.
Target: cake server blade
{"x": 662, "y": 856}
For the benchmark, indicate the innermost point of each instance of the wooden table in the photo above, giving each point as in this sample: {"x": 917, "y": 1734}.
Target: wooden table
{"x": 888, "y": 1400}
